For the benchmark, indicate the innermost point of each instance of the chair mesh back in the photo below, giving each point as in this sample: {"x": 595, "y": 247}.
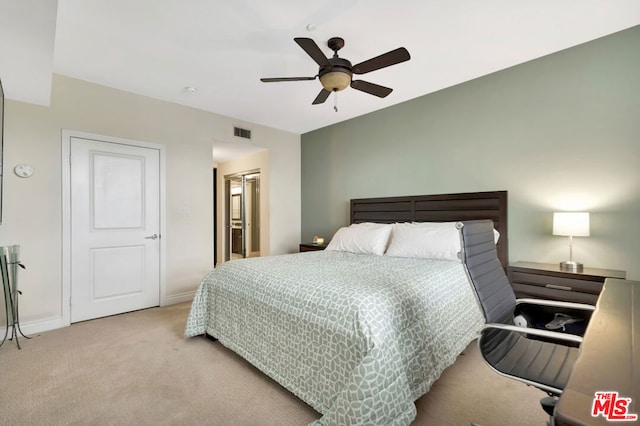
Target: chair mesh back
{"x": 487, "y": 275}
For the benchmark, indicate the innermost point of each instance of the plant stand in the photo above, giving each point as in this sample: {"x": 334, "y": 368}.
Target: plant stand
{"x": 9, "y": 263}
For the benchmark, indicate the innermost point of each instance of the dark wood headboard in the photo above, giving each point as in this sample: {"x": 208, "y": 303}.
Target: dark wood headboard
{"x": 438, "y": 208}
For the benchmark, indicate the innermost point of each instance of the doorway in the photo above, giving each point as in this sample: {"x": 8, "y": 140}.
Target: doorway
{"x": 242, "y": 215}
{"x": 112, "y": 225}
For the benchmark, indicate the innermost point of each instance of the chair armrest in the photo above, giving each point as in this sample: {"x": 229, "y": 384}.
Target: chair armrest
{"x": 556, "y": 304}
{"x": 535, "y": 332}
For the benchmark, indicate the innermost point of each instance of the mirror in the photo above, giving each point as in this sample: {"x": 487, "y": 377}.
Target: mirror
{"x": 236, "y": 208}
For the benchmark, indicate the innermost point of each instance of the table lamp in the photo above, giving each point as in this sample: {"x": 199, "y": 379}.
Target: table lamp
{"x": 571, "y": 224}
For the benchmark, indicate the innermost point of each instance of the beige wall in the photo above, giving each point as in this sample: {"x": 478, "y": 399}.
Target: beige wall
{"x": 32, "y": 215}
{"x": 257, "y": 161}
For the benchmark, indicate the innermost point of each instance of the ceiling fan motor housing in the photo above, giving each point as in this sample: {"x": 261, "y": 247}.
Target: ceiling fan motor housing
{"x": 338, "y": 77}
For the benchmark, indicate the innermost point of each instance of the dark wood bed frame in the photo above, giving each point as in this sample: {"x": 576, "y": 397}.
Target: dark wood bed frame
{"x": 438, "y": 208}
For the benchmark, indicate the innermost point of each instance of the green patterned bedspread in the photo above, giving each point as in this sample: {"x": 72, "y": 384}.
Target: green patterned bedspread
{"x": 357, "y": 337}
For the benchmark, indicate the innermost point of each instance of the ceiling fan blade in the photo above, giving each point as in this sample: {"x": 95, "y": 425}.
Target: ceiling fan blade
{"x": 312, "y": 49}
{"x": 371, "y": 88}
{"x": 322, "y": 96}
{"x": 385, "y": 60}
{"x": 276, "y": 79}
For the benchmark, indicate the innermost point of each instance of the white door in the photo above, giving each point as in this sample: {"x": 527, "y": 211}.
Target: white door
{"x": 115, "y": 227}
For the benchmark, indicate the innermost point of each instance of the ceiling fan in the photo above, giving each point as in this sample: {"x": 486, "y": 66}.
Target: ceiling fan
{"x": 336, "y": 73}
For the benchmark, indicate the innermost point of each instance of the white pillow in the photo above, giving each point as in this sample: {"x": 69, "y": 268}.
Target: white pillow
{"x": 362, "y": 238}
{"x": 429, "y": 240}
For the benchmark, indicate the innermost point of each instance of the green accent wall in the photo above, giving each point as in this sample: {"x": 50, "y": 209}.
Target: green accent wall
{"x": 561, "y": 132}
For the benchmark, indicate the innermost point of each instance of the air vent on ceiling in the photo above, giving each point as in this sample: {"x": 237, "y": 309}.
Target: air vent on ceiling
{"x": 242, "y": 133}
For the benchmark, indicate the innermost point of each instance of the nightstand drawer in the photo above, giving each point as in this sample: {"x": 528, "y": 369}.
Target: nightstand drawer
{"x": 548, "y": 281}
{"x": 312, "y": 247}
{"x": 541, "y": 292}
{"x": 557, "y": 283}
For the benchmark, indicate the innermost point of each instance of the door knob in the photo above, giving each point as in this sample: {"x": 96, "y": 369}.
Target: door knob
{"x": 152, "y": 237}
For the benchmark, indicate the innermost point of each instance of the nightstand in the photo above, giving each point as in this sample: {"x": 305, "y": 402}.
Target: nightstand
{"x": 548, "y": 281}
{"x": 312, "y": 247}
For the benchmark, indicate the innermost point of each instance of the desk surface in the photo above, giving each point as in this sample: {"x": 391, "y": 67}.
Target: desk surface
{"x": 609, "y": 358}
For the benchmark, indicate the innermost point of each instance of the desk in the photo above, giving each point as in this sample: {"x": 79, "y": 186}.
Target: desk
{"x": 609, "y": 357}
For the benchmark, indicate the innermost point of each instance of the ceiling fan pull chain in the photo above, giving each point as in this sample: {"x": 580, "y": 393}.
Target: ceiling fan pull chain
{"x": 335, "y": 101}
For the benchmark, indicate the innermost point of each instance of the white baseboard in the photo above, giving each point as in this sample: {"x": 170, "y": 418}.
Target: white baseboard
{"x": 179, "y": 298}
{"x": 40, "y": 326}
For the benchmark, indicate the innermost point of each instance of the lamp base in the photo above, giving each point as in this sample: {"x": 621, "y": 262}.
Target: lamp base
{"x": 570, "y": 265}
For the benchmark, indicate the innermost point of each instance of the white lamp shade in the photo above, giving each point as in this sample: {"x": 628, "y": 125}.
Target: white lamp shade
{"x": 572, "y": 224}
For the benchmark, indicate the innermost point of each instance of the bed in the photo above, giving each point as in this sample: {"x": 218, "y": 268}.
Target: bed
{"x": 357, "y": 336}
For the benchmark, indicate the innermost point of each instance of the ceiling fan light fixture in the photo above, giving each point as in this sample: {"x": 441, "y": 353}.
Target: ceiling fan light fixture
{"x": 335, "y": 81}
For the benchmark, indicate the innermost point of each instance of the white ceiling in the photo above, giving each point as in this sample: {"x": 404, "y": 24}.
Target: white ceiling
{"x": 222, "y": 48}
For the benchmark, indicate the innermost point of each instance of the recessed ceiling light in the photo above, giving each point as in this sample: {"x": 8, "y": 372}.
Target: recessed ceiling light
{"x": 190, "y": 89}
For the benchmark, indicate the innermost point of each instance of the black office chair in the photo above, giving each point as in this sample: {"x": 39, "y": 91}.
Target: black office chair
{"x": 537, "y": 357}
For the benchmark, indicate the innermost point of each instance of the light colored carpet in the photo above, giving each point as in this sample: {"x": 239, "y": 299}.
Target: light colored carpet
{"x": 136, "y": 368}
